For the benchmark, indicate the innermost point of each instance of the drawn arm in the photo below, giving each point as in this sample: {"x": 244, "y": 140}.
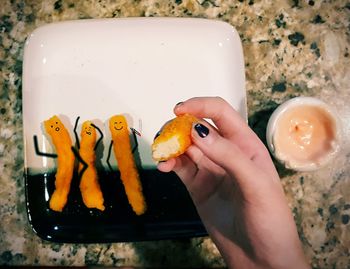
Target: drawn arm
{"x": 101, "y": 135}
{"x": 38, "y": 152}
{"x": 75, "y": 132}
{"x": 134, "y": 133}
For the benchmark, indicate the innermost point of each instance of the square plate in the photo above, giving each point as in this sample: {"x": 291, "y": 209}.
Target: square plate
{"x": 140, "y": 67}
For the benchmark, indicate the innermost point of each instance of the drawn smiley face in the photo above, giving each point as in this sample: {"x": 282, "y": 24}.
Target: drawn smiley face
{"x": 53, "y": 125}
{"x": 119, "y": 123}
{"x": 88, "y": 129}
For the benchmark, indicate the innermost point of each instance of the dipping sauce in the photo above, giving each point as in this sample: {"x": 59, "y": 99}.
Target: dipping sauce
{"x": 304, "y": 135}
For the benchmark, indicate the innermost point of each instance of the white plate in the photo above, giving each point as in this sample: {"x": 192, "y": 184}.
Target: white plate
{"x": 138, "y": 66}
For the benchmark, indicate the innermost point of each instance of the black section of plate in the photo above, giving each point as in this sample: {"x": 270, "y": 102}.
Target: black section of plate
{"x": 170, "y": 211}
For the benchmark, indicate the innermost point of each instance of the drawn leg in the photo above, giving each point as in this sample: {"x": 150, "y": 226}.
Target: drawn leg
{"x": 85, "y": 165}
{"x": 109, "y": 156}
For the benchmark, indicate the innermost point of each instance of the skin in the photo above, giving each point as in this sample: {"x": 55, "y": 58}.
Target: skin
{"x": 128, "y": 171}
{"x": 65, "y": 162}
{"x": 89, "y": 185}
{"x": 236, "y": 190}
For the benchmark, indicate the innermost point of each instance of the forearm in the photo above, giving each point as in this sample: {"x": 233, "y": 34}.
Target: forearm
{"x": 236, "y": 257}
{"x": 233, "y": 255}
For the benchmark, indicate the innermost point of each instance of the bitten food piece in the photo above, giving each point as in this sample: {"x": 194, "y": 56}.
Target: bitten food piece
{"x": 127, "y": 167}
{"x": 174, "y": 138}
{"x": 65, "y": 162}
{"x": 89, "y": 185}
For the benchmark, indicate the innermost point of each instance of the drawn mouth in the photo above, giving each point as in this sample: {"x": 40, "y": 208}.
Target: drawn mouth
{"x": 57, "y": 129}
{"x": 89, "y": 133}
{"x": 118, "y": 129}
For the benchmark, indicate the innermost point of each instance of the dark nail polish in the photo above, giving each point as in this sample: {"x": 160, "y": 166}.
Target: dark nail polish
{"x": 202, "y": 130}
{"x": 157, "y": 134}
{"x": 179, "y": 103}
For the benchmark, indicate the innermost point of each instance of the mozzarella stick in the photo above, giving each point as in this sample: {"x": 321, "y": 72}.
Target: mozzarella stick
{"x": 127, "y": 167}
{"x": 89, "y": 185}
{"x": 65, "y": 162}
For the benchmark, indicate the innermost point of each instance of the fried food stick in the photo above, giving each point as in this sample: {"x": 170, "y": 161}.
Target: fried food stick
{"x": 174, "y": 138}
{"x": 89, "y": 185}
{"x": 128, "y": 171}
{"x": 65, "y": 162}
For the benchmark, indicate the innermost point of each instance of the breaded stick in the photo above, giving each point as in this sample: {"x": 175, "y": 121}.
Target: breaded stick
{"x": 65, "y": 162}
{"x": 174, "y": 138}
{"x": 89, "y": 185}
{"x": 127, "y": 167}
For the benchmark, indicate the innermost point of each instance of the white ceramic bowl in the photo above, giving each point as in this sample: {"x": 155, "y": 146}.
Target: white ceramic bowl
{"x": 274, "y": 122}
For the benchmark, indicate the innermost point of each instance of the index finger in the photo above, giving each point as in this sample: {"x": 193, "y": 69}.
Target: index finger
{"x": 229, "y": 122}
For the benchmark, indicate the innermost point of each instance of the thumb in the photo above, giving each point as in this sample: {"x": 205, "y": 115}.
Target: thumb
{"x": 223, "y": 153}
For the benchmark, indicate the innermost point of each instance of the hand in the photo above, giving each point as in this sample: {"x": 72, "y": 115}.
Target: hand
{"x": 236, "y": 189}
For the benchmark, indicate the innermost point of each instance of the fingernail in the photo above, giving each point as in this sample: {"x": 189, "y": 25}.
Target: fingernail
{"x": 202, "y": 130}
{"x": 157, "y": 134}
{"x": 179, "y": 103}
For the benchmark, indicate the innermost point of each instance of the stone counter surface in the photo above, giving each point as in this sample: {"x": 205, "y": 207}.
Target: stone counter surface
{"x": 291, "y": 48}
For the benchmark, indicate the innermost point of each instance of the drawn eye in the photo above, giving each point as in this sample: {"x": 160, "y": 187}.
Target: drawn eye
{"x": 56, "y": 122}
{"x": 51, "y": 126}
{"x": 120, "y": 122}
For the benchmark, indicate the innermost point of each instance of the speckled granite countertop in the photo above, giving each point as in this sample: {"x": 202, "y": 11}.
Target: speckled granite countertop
{"x": 291, "y": 48}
